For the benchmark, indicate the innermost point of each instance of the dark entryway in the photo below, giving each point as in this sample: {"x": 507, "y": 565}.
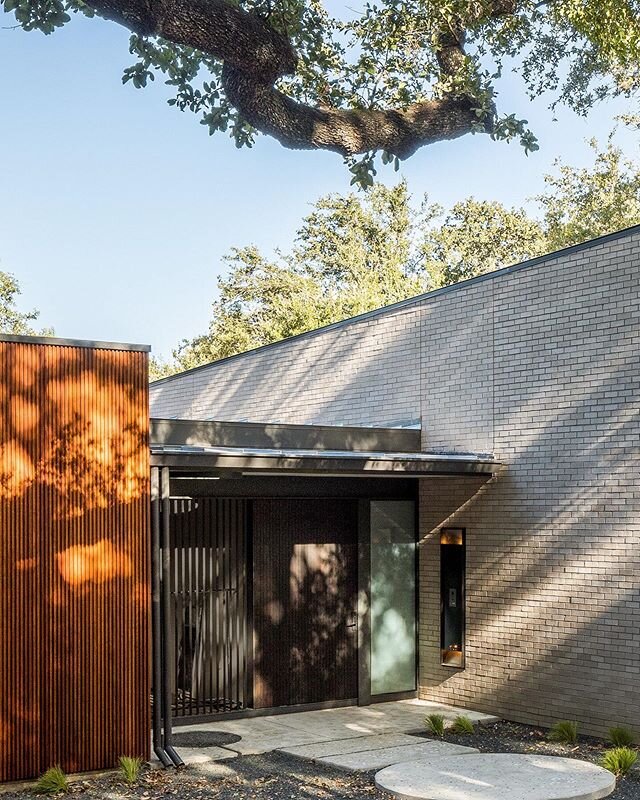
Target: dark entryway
{"x": 283, "y": 566}
{"x": 273, "y": 597}
{"x": 263, "y": 603}
{"x": 305, "y": 567}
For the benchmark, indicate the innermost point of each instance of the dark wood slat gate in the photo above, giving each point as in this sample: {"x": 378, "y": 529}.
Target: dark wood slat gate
{"x": 210, "y": 601}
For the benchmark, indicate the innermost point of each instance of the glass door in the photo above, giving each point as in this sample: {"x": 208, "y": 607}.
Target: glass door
{"x": 393, "y": 596}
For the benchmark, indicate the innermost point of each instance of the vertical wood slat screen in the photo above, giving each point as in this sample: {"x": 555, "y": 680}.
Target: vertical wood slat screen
{"x": 74, "y": 558}
{"x": 209, "y": 592}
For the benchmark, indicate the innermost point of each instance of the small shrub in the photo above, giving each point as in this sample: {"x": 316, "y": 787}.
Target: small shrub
{"x": 619, "y": 760}
{"x": 130, "y": 768}
{"x": 53, "y": 781}
{"x": 619, "y": 736}
{"x": 462, "y": 724}
{"x": 435, "y": 724}
{"x": 564, "y": 732}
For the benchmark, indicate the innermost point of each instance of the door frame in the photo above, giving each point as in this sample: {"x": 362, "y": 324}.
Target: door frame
{"x": 365, "y": 696}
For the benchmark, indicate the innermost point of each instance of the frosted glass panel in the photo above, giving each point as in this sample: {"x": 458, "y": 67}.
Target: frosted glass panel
{"x": 393, "y": 604}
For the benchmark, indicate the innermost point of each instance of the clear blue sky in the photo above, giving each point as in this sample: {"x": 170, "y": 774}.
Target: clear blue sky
{"x": 115, "y": 209}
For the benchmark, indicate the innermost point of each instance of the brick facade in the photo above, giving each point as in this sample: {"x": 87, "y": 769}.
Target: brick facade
{"x": 539, "y": 364}
{"x": 350, "y": 374}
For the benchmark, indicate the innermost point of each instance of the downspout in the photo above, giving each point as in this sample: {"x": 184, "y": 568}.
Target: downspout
{"x": 166, "y": 616}
{"x": 156, "y": 621}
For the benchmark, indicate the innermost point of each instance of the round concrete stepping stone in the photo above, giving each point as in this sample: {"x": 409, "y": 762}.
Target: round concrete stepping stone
{"x": 496, "y": 776}
{"x": 204, "y": 738}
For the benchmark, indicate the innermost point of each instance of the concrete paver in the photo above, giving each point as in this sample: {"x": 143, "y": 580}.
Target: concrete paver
{"x": 337, "y": 725}
{"x": 337, "y": 747}
{"x": 255, "y": 745}
{"x": 194, "y": 755}
{"x": 377, "y": 759}
{"x": 496, "y": 776}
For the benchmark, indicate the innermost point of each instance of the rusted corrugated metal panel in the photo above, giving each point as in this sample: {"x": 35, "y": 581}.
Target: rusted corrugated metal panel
{"x": 74, "y": 557}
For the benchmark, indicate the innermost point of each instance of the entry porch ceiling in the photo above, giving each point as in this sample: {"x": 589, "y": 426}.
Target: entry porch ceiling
{"x": 247, "y": 448}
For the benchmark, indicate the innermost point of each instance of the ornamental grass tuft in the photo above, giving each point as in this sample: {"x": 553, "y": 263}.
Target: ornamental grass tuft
{"x": 130, "y": 768}
{"x": 564, "y": 732}
{"x": 619, "y": 760}
{"x": 462, "y": 724}
{"x": 620, "y": 736}
{"x": 53, "y": 781}
{"x": 435, "y": 724}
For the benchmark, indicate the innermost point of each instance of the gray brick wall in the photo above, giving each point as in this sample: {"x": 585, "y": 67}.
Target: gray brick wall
{"x": 457, "y": 370}
{"x": 541, "y": 366}
{"x": 365, "y": 372}
{"x": 553, "y": 544}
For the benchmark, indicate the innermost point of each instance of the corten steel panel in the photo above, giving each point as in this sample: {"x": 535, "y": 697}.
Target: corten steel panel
{"x": 305, "y": 574}
{"x": 74, "y": 558}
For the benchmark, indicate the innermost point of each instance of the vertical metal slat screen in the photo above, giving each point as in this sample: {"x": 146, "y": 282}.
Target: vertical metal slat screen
{"x": 209, "y": 636}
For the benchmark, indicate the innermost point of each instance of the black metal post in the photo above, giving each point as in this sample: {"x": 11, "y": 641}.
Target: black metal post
{"x": 156, "y": 620}
{"x": 166, "y": 616}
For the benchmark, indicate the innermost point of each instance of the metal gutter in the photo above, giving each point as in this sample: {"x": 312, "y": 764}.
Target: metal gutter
{"x": 320, "y": 454}
{"x": 165, "y": 541}
{"x": 156, "y": 622}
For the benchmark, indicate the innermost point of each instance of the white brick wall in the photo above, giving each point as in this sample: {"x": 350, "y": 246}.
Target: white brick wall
{"x": 362, "y": 372}
{"x": 553, "y": 547}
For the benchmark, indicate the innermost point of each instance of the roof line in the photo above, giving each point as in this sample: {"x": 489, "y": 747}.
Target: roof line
{"x": 532, "y": 262}
{"x": 59, "y": 342}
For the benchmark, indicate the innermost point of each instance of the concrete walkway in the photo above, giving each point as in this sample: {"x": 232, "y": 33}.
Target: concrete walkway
{"x": 378, "y": 737}
{"x": 356, "y": 738}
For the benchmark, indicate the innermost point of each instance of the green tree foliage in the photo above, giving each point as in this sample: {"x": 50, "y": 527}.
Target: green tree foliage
{"x": 260, "y": 301}
{"x": 478, "y": 236}
{"x": 388, "y": 77}
{"x": 12, "y": 320}
{"x": 354, "y": 253}
{"x": 580, "y": 203}
{"x": 159, "y": 368}
{"x": 350, "y": 255}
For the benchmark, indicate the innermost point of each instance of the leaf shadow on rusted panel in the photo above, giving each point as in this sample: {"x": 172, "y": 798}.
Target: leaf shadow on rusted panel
{"x": 73, "y": 557}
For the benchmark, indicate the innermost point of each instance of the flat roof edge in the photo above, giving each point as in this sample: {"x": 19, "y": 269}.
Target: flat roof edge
{"x": 56, "y": 341}
{"x": 206, "y": 433}
{"x": 532, "y": 262}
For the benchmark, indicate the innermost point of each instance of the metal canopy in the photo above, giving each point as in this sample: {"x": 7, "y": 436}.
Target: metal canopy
{"x": 249, "y": 448}
{"x": 248, "y": 460}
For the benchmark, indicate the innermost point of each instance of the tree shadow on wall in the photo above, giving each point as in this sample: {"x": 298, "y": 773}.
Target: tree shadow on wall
{"x": 306, "y": 637}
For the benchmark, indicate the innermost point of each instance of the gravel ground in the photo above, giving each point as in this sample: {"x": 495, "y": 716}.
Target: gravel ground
{"x": 273, "y": 776}
{"x": 509, "y": 737}
{"x": 276, "y": 776}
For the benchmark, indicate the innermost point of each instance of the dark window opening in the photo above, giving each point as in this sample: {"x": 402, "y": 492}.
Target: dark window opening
{"x": 452, "y": 566}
